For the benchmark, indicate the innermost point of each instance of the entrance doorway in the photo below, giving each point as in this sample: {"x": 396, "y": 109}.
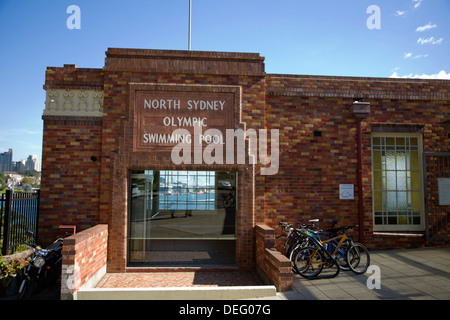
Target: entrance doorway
{"x": 182, "y": 218}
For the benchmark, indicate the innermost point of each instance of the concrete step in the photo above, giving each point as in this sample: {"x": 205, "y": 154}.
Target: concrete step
{"x": 178, "y": 293}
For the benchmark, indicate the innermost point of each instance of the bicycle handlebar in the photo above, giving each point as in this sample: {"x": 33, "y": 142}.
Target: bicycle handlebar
{"x": 285, "y": 225}
{"x": 306, "y": 228}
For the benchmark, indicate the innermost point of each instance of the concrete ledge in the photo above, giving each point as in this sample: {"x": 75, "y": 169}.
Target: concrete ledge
{"x": 92, "y": 281}
{"x": 172, "y": 293}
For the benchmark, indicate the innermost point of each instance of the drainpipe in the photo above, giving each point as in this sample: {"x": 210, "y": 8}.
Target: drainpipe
{"x": 360, "y": 110}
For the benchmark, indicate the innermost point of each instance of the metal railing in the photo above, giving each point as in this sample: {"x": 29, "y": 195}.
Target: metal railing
{"x": 19, "y": 212}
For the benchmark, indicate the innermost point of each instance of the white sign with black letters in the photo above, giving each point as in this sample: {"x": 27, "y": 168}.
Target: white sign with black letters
{"x": 346, "y": 192}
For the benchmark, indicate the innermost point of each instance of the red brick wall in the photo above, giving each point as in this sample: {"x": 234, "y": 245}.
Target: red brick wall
{"x": 71, "y": 157}
{"x": 72, "y": 77}
{"x": 84, "y": 260}
{"x": 311, "y": 168}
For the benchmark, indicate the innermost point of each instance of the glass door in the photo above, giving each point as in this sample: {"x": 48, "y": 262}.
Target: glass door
{"x": 182, "y": 218}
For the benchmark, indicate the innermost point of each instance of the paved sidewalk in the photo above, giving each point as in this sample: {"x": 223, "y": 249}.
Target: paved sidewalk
{"x": 408, "y": 274}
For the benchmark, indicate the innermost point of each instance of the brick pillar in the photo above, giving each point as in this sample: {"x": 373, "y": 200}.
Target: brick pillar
{"x": 272, "y": 266}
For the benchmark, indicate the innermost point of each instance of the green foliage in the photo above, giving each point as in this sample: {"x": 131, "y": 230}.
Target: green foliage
{"x": 29, "y": 173}
{"x": 2, "y": 182}
{"x": 9, "y": 269}
{"x": 26, "y": 180}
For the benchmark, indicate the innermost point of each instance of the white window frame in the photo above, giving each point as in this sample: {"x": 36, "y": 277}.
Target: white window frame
{"x": 399, "y": 227}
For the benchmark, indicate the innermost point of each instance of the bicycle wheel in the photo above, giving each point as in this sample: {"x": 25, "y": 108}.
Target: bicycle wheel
{"x": 358, "y": 258}
{"x": 293, "y": 252}
{"x": 341, "y": 255}
{"x": 309, "y": 262}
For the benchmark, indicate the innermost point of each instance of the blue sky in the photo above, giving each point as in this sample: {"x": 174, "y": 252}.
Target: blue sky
{"x": 321, "y": 37}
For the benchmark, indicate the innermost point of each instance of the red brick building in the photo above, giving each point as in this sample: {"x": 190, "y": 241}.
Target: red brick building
{"x": 349, "y": 149}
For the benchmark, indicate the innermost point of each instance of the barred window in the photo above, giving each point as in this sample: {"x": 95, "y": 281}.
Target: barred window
{"x": 397, "y": 182}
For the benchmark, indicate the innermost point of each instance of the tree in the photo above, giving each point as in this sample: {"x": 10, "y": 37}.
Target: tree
{"x": 27, "y": 180}
{"x": 2, "y": 181}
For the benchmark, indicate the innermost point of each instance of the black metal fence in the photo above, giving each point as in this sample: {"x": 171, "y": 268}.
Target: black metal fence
{"x": 19, "y": 213}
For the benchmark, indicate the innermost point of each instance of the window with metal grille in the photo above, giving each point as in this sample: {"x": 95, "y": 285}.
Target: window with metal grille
{"x": 396, "y": 168}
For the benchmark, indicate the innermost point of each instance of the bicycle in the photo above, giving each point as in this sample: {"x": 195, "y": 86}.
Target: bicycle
{"x": 329, "y": 238}
{"x": 310, "y": 261}
{"x": 320, "y": 235}
{"x": 294, "y": 238}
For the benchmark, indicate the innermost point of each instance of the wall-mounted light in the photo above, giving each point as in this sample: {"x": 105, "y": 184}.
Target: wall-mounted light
{"x": 360, "y": 109}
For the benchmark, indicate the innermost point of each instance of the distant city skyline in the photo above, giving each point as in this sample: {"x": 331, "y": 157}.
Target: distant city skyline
{"x": 7, "y": 162}
{"x": 21, "y": 153}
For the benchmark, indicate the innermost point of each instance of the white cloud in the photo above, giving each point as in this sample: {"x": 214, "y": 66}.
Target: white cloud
{"x": 442, "y": 75}
{"x": 430, "y": 40}
{"x": 407, "y": 55}
{"x": 417, "y": 3}
{"x": 426, "y": 27}
{"x": 399, "y": 13}
{"x": 421, "y": 56}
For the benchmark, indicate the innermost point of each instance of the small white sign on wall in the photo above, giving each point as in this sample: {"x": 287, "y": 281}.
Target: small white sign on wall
{"x": 444, "y": 191}
{"x": 346, "y": 192}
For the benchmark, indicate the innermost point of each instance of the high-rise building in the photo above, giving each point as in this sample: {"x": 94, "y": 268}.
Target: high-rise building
{"x": 19, "y": 165}
{"x": 32, "y": 163}
{"x": 6, "y": 161}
